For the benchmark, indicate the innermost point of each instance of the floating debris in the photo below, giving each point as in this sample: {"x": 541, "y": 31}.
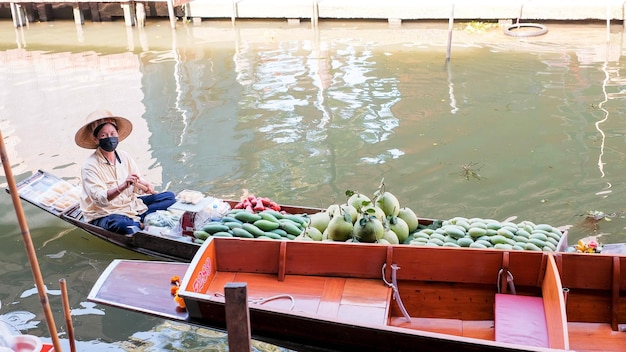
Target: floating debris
{"x": 470, "y": 170}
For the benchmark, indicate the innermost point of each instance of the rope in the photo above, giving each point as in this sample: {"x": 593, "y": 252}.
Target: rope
{"x": 509, "y": 281}
{"x": 265, "y": 300}
{"x": 394, "y": 286}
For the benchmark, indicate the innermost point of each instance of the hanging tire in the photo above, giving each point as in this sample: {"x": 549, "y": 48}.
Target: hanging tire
{"x": 539, "y": 30}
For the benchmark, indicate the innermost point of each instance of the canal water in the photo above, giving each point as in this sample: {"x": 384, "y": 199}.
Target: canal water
{"x": 526, "y": 128}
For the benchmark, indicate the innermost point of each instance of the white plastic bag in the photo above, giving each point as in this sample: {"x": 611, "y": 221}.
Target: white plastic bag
{"x": 214, "y": 211}
{"x": 162, "y": 218}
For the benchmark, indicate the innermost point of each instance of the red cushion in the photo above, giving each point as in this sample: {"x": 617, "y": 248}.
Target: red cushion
{"x": 521, "y": 320}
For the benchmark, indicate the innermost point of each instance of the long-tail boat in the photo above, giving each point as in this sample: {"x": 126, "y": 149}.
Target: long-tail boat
{"x": 370, "y": 297}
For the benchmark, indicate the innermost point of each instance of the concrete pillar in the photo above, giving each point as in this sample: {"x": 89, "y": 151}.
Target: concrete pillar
{"x": 316, "y": 14}
{"x": 129, "y": 16}
{"x": 170, "y": 12}
{"x": 141, "y": 14}
{"x": 234, "y": 14}
{"x": 78, "y": 15}
{"x": 18, "y": 15}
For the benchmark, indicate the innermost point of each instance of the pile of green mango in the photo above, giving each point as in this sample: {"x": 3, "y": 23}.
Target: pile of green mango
{"x": 489, "y": 233}
{"x": 268, "y": 224}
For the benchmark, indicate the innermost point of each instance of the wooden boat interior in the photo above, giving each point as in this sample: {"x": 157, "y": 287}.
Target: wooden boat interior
{"x": 441, "y": 291}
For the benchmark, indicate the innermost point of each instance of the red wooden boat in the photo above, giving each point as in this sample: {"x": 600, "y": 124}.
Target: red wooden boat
{"x": 346, "y": 297}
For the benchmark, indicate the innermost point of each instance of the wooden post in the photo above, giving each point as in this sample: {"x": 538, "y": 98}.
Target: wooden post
{"x": 68, "y": 315}
{"x": 237, "y": 317}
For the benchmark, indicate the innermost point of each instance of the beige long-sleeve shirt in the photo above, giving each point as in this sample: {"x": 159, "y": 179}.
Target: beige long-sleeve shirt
{"x": 98, "y": 176}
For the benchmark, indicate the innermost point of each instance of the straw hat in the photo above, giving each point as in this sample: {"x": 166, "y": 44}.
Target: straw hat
{"x": 84, "y": 137}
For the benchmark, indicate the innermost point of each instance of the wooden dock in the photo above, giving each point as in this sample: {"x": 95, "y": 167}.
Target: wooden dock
{"x": 133, "y": 12}
{"x": 394, "y": 11}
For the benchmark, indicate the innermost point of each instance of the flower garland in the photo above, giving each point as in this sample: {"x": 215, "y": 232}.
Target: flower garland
{"x": 175, "y": 280}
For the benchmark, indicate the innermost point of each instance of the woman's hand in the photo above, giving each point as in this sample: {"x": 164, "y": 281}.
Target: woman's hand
{"x": 131, "y": 180}
{"x": 146, "y": 187}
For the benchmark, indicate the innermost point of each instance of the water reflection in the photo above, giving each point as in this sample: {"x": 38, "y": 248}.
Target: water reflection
{"x": 302, "y": 114}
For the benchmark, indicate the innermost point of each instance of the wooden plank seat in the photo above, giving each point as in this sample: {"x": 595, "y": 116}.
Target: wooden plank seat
{"x": 520, "y": 320}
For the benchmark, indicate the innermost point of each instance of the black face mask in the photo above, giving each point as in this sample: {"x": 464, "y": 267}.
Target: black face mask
{"x": 108, "y": 144}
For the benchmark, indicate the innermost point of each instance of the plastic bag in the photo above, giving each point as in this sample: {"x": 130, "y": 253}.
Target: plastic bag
{"x": 214, "y": 211}
{"x": 162, "y": 218}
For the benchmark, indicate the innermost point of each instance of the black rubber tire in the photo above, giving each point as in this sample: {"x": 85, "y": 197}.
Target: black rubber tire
{"x": 541, "y": 30}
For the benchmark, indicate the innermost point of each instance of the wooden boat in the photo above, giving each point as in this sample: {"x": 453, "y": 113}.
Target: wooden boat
{"x": 60, "y": 198}
{"x": 350, "y": 296}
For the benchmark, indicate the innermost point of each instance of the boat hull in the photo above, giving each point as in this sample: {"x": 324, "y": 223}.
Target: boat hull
{"x": 301, "y": 297}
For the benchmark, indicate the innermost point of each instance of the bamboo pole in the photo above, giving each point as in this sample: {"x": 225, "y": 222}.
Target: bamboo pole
{"x": 30, "y": 249}
{"x": 68, "y": 316}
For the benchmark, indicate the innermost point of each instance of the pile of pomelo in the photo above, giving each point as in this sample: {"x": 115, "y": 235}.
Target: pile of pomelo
{"x": 379, "y": 219}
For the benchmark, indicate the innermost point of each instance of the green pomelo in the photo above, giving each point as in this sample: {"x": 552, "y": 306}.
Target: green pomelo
{"x": 332, "y": 209}
{"x": 302, "y": 237}
{"x": 373, "y": 211}
{"x": 388, "y": 203}
{"x": 340, "y": 228}
{"x": 358, "y": 200}
{"x": 320, "y": 220}
{"x": 409, "y": 216}
{"x": 368, "y": 229}
{"x": 340, "y": 209}
{"x": 350, "y": 209}
{"x": 399, "y": 227}
{"x": 313, "y": 232}
{"x": 325, "y": 235}
{"x": 390, "y": 237}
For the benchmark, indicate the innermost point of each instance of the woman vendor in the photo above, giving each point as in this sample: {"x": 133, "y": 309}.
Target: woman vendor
{"x": 114, "y": 196}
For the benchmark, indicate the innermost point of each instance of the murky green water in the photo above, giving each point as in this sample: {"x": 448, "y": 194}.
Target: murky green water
{"x": 300, "y": 116}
